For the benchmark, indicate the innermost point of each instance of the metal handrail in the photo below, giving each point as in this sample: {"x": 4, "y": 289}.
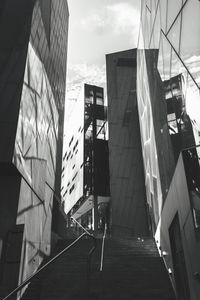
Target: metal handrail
{"x": 28, "y": 280}
{"x": 79, "y": 224}
{"x": 102, "y": 248}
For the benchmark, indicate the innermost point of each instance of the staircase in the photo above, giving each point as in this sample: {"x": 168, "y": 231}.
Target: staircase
{"x": 132, "y": 270}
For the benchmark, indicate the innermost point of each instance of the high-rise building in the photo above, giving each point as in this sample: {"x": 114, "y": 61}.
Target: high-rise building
{"x": 85, "y": 173}
{"x": 168, "y": 84}
{"x": 127, "y": 186}
{"x": 33, "y": 52}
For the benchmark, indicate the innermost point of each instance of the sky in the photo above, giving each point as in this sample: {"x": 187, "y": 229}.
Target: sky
{"x": 96, "y": 28}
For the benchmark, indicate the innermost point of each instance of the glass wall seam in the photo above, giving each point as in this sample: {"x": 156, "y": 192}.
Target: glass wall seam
{"x": 180, "y": 11}
{"x": 181, "y": 60}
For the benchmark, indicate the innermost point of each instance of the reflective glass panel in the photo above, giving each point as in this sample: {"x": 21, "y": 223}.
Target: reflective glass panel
{"x": 147, "y": 30}
{"x": 152, "y": 179}
{"x": 190, "y": 37}
{"x": 192, "y": 99}
{"x": 176, "y": 65}
{"x": 174, "y": 34}
{"x": 173, "y": 10}
{"x": 164, "y": 59}
{"x": 155, "y": 37}
{"x": 37, "y": 130}
{"x": 163, "y": 14}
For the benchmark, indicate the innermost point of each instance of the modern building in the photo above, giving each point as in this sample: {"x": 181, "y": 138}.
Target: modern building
{"x": 85, "y": 173}
{"x": 127, "y": 185}
{"x": 33, "y": 52}
{"x": 168, "y": 84}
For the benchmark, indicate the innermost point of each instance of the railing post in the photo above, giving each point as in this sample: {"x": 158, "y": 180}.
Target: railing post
{"x": 88, "y": 271}
{"x": 102, "y": 248}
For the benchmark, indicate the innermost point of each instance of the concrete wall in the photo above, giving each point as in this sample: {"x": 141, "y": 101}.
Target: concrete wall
{"x": 125, "y": 155}
{"x": 178, "y": 201}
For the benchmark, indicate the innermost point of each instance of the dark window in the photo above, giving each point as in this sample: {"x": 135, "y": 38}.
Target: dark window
{"x": 75, "y": 146}
{"x": 71, "y": 141}
{"x": 65, "y": 155}
{"x": 65, "y": 193}
{"x": 68, "y": 155}
{"x": 126, "y": 62}
{"x": 72, "y": 188}
{"x": 74, "y": 176}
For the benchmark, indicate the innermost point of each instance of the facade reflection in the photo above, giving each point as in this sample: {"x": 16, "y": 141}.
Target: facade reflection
{"x": 168, "y": 85}
{"x": 32, "y": 87}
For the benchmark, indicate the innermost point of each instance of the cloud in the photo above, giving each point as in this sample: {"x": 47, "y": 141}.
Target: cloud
{"x": 124, "y": 18}
{"x": 95, "y": 22}
{"x": 192, "y": 59}
{"x": 120, "y": 18}
{"x": 84, "y": 73}
{"x": 102, "y": 29}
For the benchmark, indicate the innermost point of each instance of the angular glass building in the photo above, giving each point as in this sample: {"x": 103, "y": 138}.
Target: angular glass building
{"x": 168, "y": 85}
{"x": 33, "y": 53}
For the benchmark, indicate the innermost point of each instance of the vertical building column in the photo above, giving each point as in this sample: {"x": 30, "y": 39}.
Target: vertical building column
{"x": 94, "y": 134}
{"x": 95, "y": 215}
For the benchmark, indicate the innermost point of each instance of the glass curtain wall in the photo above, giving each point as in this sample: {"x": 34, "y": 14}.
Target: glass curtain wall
{"x": 172, "y": 27}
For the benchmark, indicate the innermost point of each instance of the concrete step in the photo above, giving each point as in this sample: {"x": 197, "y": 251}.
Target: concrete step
{"x": 132, "y": 270}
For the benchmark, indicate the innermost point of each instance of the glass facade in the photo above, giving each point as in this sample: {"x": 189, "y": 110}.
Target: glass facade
{"x": 32, "y": 88}
{"x": 37, "y": 130}
{"x": 48, "y": 37}
{"x": 168, "y": 85}
{"x": 150, "y": 153}
{"x": 35, "y": 154}
{"x": 169, "y": 33}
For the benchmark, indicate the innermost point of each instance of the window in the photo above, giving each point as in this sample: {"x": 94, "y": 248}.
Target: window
{"x": 65, "y": 155}
{"x": 74, "y": 176}
{"x": 127, "y": 62}
{"x": 72, "y": 188}
{"x": 75, "y": 146}
{"x": 172, "y": 123}
{"x": 71, "y": 141}
{"x": 68, "y": 155}
{"x": 65, "y": 193}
